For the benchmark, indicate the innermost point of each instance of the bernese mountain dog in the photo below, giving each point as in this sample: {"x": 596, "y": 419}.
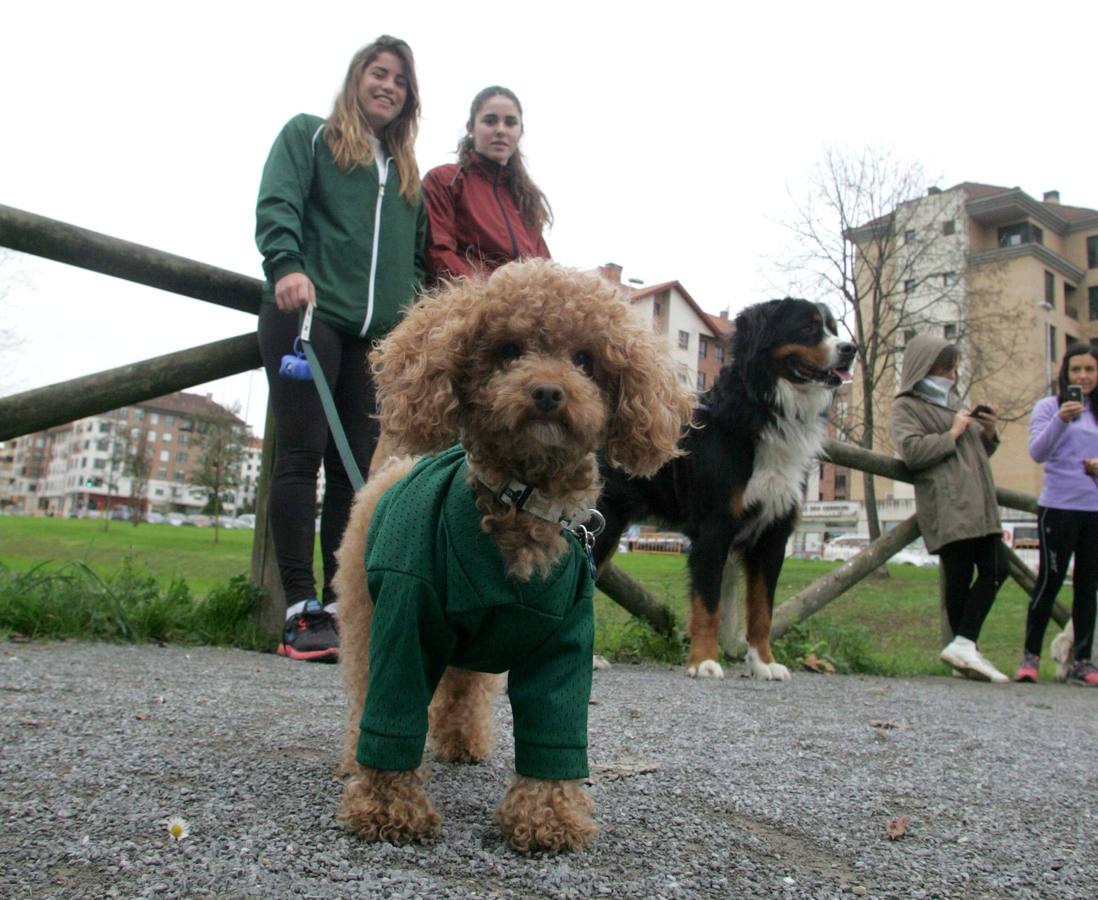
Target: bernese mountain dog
{"x": 738, "y": 487}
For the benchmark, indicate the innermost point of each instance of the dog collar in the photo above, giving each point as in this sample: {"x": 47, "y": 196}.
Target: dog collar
{"x": 529, "y": 499}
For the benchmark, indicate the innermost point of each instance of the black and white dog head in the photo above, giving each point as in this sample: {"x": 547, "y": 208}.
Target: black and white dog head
{"x": 794, "y": 341}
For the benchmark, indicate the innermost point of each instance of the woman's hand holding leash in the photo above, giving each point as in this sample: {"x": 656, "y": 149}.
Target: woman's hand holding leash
{"x": 294, "y": 291}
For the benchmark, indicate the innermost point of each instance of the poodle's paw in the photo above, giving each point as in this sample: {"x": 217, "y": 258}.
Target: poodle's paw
{"x": 547, "y": 815}
{"x": 707, "y": 668}
{"x": 765, "y": 671}
{"x": 600, "y": 664}
{"x": 380, "y": 805}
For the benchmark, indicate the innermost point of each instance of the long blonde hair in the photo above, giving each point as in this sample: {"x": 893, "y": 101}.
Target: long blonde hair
{"x": 532, "y": 204}
{"x": 346, "y": 131}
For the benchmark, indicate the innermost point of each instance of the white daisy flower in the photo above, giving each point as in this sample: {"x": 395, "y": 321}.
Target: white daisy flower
{"x": 178, "y": 828}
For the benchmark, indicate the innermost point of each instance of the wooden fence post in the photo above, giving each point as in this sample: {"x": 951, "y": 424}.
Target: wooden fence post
{"x": 272, "y": 612}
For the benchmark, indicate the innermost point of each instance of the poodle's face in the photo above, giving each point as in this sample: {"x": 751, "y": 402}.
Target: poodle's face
{"x": 535, "y": 385}
{"x": 537, "y": 366}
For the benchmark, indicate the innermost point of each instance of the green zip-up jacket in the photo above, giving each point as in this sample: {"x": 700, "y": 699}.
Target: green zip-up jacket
{"x": 312, "y": 217}
{"x": 442, "y": 598}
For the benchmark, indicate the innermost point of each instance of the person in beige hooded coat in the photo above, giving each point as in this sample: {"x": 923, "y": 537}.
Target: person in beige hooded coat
{"x": 947, "y": 448}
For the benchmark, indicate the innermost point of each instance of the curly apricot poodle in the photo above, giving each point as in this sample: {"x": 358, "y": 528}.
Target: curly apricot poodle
{"x": 477, "y": 556}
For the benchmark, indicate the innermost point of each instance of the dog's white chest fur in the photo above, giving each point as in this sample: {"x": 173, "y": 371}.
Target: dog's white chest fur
{"x": 783, "y": 455}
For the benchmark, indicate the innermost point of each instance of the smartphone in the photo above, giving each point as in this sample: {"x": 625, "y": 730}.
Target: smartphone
{"x": 1075, "y": 392}
{"x": 982, "y": 410}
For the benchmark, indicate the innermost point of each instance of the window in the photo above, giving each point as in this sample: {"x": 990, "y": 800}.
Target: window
{"x": 1052, "y": 343}
{"x": 104, "y": 427}
{"x": 909, "y": 285}
{"x": 162, "y": 472}
{"x": 701, "y": 381}
{"x": 684, "y": 340}
{"x": 99, "y": 464}
{"x": 1021, "y": 233}
{"x": 718, "y": 351}
{"x": 184, "y": 439}
{"x": 949, "y": 332}
{"x": 152, "y": 436}
{"x": 1092, "y": 302}
{"x": 181, "y": 458}
{"x": 180, "y": 475}
{"x": 949, "y": 279}
{"x": 703, "y": 348}
{"x": 154, "y": 418}
{"x": 1050, "y": 288}
{"x": 169, "y": 419}
{"x": 166, "y": 437}
{"x": 1070, "y": 339}
{"x": 138, "y": 415}
{"x": 1092, "y": 252}
{"x": 164, "y": 455}
{"x": 909, "y": 334}
{"x": 949, "y": 226}
{"x": 909, "y": 235}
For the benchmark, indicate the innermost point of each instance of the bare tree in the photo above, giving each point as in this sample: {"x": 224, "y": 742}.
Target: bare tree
{"x": 138, "y": 466}
{"x": 223, "y": 443}
{"x": 872, "y": 241}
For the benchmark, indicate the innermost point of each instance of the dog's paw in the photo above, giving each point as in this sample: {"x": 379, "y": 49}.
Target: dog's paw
{"x": 707, "y": 668}
{"x": 380, "y": 805}
{"x": 1062, "y": 669}
{"x": 547, "y": 815}
{"x": 600, "y": 663}
{"x": 762, "y": 671}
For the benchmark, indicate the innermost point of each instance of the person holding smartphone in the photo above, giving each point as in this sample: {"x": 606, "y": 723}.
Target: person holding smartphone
{"x": 946, "y": 448}
{"x": 1063, "y": 435}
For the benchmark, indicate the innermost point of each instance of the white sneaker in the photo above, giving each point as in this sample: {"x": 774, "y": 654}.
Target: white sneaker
{"x": 993, "y": 674}
{"x": 962, "y": 655}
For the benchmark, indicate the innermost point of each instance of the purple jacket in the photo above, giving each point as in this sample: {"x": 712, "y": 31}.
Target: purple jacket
{"x": 1062, "y": 448}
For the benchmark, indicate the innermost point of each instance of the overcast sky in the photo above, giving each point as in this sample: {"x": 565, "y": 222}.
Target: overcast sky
{"x": 669, "y": 137}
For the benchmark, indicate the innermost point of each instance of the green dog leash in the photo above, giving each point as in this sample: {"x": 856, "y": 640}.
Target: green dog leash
{"x": 334, "y": 425}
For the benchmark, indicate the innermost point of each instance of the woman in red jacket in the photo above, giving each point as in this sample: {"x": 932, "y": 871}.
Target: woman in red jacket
{"x": 485, "y": 210}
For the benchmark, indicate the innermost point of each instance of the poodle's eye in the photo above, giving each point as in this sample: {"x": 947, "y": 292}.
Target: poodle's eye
{"x": 581, "y": 359}
{"x": 508, "y": 351}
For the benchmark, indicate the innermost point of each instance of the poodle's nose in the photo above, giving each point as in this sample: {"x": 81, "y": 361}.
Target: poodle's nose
{"x": 547, "y": 397}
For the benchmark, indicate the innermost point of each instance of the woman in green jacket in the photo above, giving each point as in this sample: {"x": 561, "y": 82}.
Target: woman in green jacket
{"x": 341, "y": 226}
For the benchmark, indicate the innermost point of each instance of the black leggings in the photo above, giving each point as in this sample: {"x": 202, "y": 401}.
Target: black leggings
{"x": 302, "y": 441}
{"x": 968, "y": 602}
{"x": 1064, "y": 532}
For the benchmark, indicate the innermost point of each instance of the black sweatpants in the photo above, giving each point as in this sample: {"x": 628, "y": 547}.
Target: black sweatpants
{"x": 968, "y": 602}
{"x": 303, "y": 441}
{"x": 1065, "y": 532}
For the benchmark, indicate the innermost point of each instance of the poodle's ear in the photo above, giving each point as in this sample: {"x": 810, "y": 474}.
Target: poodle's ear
{"x": 415, "y": 368}
{"x": 651, "y": 409}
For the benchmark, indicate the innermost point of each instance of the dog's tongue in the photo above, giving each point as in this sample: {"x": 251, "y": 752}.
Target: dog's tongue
{"x": 844, "y": 375}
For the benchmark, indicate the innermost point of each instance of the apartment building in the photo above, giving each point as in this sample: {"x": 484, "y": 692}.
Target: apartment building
{"x": 1010, "y": 278}
{"x": 696, "y": 341}
{"x": 77, "y": 469}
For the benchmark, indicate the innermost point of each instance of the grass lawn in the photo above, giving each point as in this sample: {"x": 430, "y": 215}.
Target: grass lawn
{"x": 167, "y": 551}
{"x": 889, "y": 626}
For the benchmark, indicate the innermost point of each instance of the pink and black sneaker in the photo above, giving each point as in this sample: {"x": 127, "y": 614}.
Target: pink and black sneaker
{"x": 1084, "y": 673}
{"x": 310, "y": 633}
{"x": 1027, "y": 671}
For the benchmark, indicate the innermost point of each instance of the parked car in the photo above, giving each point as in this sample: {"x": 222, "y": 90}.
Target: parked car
{"x": 120, "y": 513}
{"x": 845, "y": 546}
{"x": 175, "y": 518}
{"x": 914, "y": 555}
{"x": 154, "y": 518}
{"x": 245, "y": 520}
{"x": 197, "y": 520}
{"x": 225, "y": 522}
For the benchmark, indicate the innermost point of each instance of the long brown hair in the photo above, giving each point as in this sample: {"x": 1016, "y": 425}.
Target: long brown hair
{"x": 346, "y": 131}
{"x": 532, "y": 204}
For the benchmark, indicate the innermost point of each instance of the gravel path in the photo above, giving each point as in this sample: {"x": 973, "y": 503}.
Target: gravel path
{"x": 704, "y": 789}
